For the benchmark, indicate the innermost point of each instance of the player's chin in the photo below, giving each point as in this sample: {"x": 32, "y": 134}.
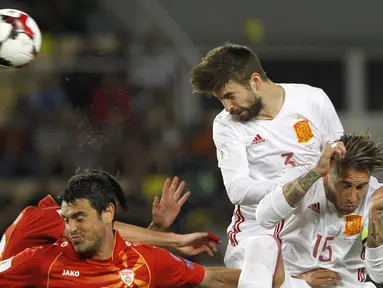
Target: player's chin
{"x": 79, "y": 247}
{"x": 244, "y": 116}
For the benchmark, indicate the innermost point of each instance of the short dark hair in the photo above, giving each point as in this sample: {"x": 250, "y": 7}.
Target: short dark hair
{"x": 230, "y": 62}
{"x": 362, "y": 154}
{"x": 97, "y": 186}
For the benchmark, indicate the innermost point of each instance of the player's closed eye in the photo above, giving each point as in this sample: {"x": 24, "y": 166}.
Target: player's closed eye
{"x": 345, "y": 185}
{"x": 361, "y": 186}
{"x": 80, "y": 218}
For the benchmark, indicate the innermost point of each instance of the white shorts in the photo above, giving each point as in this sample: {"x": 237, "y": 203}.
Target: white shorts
{"x": 259, "y": 264}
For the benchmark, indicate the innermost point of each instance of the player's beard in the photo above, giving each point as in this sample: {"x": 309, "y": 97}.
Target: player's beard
{"x": 252, "y": 111}
{"x": 88, "y": 250}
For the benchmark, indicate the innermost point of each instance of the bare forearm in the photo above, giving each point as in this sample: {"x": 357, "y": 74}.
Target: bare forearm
{"x": 375, "y": 230}
{"x": 295, "y": 190}
{"x": 221, "y": 277}
{"x": 155, "y": 227}
{"x": 150, "y": 237}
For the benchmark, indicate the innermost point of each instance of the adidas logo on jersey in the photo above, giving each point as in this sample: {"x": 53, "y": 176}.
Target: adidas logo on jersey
{"x": 315, "y": 207}
{"x": 257, "y": 140}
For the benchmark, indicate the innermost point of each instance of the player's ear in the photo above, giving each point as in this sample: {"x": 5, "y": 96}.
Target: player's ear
{"x": 108, "y": 214}
{"x": 255, "y": 81}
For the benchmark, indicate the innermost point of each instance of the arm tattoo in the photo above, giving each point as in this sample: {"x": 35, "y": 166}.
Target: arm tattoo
{"x": 375, "y": 230}
{"x": 295, "y": 190}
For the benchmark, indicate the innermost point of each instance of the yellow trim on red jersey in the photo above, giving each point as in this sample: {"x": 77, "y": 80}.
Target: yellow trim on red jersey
{"x": 50, "y": 267}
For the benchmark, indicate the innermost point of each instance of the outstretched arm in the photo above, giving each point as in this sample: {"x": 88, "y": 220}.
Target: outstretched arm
{"x": 187, "y": 244}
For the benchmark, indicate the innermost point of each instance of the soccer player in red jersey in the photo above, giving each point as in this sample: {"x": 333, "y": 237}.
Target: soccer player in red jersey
{"x": 97, "y": 256}
{"x": 43, "y": 224}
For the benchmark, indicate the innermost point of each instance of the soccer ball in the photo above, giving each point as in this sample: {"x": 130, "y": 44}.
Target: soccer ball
{"x": 20, "y": 38}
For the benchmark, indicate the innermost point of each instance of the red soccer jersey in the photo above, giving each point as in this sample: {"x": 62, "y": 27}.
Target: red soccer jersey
{"x": 132, "y": 265}
{"x": 36, "y": 225}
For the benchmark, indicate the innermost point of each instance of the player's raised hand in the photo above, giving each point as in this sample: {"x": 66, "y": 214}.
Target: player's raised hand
{"x": 166, "y": 210}
{"x": 320, "y": 278}
{"x": 197, "y": 243}
{"x": 335, "y": 149}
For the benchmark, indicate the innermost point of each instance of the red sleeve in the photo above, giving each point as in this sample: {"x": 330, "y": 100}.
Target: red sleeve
{"x": 45, "y": 222}
{"x": 35, "y": 226}
{"x": 174, "y": 271}
{"x": 21, "y": 270}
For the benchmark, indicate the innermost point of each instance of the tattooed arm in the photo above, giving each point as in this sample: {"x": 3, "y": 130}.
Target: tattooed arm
{"x": 374, "y": 249}
{"x": 375, "y": 230}
{"x": 295, "y": 190}
{"x": 375, "y": 224}
{"x": 281, "y": 201}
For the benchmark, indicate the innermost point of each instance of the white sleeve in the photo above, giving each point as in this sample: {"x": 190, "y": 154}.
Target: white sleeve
{"x": 332, "y": 128}
{"x": 273, "y": 208}
{"x": 234, "y": 165}
{"x": 374, "y": 263}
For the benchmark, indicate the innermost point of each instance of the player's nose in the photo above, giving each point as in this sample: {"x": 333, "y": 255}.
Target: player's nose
{"x": 72, "y": 226}
{"x": 353, "y": 197}
{"x": 228, "y": 105}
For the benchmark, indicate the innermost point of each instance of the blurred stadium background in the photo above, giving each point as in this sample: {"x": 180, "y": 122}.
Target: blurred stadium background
{"x": 110, "y": 90}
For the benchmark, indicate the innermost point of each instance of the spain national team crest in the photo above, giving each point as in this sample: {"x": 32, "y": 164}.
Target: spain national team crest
{"x": 127, "y": 276}
{"x": 303, "y": 131}
{"x": 353, "y": 224}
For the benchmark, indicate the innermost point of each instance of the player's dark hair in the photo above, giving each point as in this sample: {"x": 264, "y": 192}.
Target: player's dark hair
{"x": 362, "y": 154}
{"x": 99, "y": 187}
{"x": 230, "y": 62}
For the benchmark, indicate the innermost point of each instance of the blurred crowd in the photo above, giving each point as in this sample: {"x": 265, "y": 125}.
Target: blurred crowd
{"x": 107, "y": 101}
{"x": 54, "y": 120}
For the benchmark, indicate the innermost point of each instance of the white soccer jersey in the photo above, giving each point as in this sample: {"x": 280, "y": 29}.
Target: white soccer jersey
{"x": 314, "y": 235}
{"x": 251, "y": 155}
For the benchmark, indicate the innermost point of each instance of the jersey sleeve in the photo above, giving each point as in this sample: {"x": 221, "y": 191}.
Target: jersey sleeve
{"x": 45, "y": 222}
{"x": 273, "y": 208}
{"x": 37, "y": 225}
{"x": 232, "y": 160}
{"x": 332, "y": 128}
{"x": 174, "y": 271}
{"x": 21, "y": 270}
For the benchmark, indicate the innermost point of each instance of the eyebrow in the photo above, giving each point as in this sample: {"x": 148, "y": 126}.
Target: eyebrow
{"x": 74, "y": 215}
{"x": 349, "y": 183}
{"x": 228, "y": 94}
{"x": 362, "y": 184}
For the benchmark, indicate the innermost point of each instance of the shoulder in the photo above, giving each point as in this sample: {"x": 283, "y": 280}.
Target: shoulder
{"x": 223, "y": 119}
{"x": 305, "y": 93}
{"x": 151, "y": 253}
{"x": 139, "y": 248}
{"x": 225, "y": 125}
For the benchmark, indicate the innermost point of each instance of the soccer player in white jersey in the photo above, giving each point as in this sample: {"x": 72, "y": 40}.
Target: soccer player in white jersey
{"x": 264, "y": 128}
{"x": 328, "y": 211}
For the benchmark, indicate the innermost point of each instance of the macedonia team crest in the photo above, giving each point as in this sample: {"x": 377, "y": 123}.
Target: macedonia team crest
{"x": 303, "y": 131}
{"x": 353, "y": 224}
{"x": 127, "y": 276}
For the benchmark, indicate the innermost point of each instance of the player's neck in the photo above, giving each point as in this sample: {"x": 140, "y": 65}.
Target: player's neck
{"x": 273, "y": 99}
{"x": 106, "y": 249}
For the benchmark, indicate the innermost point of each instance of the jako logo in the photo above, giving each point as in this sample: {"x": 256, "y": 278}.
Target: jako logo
{"x": 71, "y": 273}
